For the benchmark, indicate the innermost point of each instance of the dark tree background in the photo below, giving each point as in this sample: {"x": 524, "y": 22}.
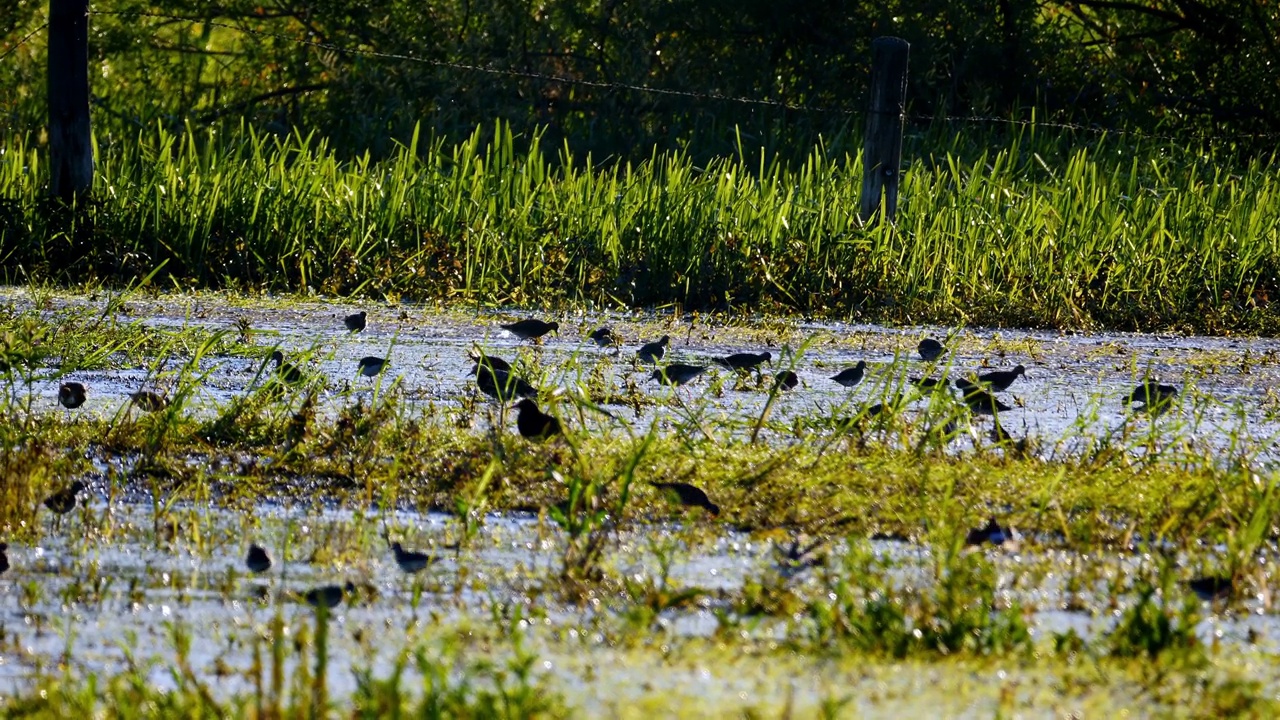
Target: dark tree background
{"x": 363, "y": 73}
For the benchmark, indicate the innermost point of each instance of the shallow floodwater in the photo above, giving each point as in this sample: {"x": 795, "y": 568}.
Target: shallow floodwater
{"x": 1072, "y": 392}
{"x": 110, "y": 594}
{"x": 100, "y": 607}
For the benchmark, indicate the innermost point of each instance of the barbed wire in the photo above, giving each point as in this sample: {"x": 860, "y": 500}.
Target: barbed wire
{"x": 507, "y": 72}
{"x": 670, "y": 92}
{"x": 24, "y": 40}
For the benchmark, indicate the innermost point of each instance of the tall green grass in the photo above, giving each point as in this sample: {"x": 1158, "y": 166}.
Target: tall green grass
{"x": 1031, "y": 229}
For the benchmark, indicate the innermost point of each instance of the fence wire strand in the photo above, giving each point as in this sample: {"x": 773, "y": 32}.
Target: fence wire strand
{"x": 648, "y": 89}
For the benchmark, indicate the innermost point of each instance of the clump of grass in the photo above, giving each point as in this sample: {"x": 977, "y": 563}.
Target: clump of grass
{"x": 1125, "y": 233}
{"x": 867, "y": 610}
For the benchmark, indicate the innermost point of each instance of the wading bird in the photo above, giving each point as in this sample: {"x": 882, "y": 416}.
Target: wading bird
{"x": 531, "y": 328}
{"x": 258, "y": 560}
{"x": 678, "y": 373}
{"x": 409, "y": 560}
{"x": 501, "y": 385}
{"x": 743, "y": 361}
{"x": 999, "y": 380}
{"x": 370, "y": 366}
{"x": 328, "y": 596}
{"x": 605, "y": 338}
{"x": 355, "y": 322}
{"x": 652, "y": 352}
{"x": 786, "y": 380}
{"x": 930, "y": 349}
{"x": 71, "y": 395}
{"x": 533, "y": 423}
{"x": 64, "y": 501}
{"x": 688, "y": 495}
{"x": 850, "y": 377}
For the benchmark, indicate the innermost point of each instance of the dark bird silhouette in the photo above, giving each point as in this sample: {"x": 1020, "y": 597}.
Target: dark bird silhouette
{"x": 409, "y": 560}
{"x": 370, "y": 366}
{"x": 850, "y": 377}
{"x": 652, "y": 352}
{"x": 1151, "y": 392}
{"x": 991, "y": 533}
{"x": 678, "y": 373}
{"x": 531, "y": 328}
{"x": 983, "y": 402}
{"x": 786, "y": 380}
{"x": 4, "y": 558}
{"x": 328, "y": 596}
{"x": 1210, "y": 588}
{"x": 605, "y": 338}
{"x": 356, "y": 322}
{"x": 64, "y": 501}
{"x": 926, "y": 384}
{"x": 688, "y": 495}
{"x": 891, "y": 404}
{"x": 493, "y": 361}
{"x": 998, "y": 380}
{"x": 258, "y": 560}
{"x": 286, "y": 371}
{"x": 533, "y": 423}
{"x": 501, "y": 385}
{"x": 930, "y": 349}
{"x": 148, "y": 401}
{"x": 71, "y": 395}
{"x": 743, "y": 361}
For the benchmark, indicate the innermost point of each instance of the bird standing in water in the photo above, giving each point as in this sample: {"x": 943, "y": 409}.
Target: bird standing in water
{"x": 743, "y": 361}
{"x": 258, "y": 560}
{"x": 286, "y": 371}
{"x": 370, "y": 366}
{"x": 652, "y": 352}
{"x": 328, "y": 596}
{"x": 678, "y": 373}
{"x": 1154, "y": 395}
{"x": 786, "y": 380}
{"x": 999, "y": 380}
{"x": 930, "y": 349}
{"x": 534, "y": 424}
{"x": 500, "y": 384}
{"x": 606, "y": 338}
{"x": 850, "y": 377}
{"x": 355, "y": 322}
{"x": 64, "y": 501}
{"x": 531, "y": 328}
{"x": 71, "y": 395}
{"x": 409, "y": 560}
{"x": 689, "y": 495}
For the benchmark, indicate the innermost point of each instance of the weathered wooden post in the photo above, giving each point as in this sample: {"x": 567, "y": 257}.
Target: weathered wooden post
{"x": 70, "y": 144}
{"x": 882, "y": 146}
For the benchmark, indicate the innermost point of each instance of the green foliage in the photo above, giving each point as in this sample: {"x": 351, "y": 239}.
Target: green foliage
{"x": 1150, "y": 627}
{"x": 1121, "y": 235}
{"x": 870, "y": 610}
{"x": 363, "y": 74}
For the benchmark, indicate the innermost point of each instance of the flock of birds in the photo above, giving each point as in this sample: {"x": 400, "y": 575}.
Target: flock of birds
{"x": 496, "y": 378}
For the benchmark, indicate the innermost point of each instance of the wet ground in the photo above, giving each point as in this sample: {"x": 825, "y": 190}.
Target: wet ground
{"x": 1072, "y": 393}
{"x": 102, "y": 608}
{"x": 93, "y": 605}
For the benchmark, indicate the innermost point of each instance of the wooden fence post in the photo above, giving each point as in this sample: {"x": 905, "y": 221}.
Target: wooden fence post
{"x": 70, "y": 143}
{"x": 882, "y": 146}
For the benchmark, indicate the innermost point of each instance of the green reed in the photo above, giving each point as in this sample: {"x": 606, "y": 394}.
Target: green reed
{"x": 1025, "y": 229}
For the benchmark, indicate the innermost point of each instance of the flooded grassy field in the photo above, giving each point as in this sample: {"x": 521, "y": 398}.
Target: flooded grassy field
{"x": 850, "y": 570}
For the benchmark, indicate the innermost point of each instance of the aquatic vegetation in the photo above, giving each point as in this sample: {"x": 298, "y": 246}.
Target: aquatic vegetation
{"x": 818, "y": 533}
{"x": 1033, "y": 229}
